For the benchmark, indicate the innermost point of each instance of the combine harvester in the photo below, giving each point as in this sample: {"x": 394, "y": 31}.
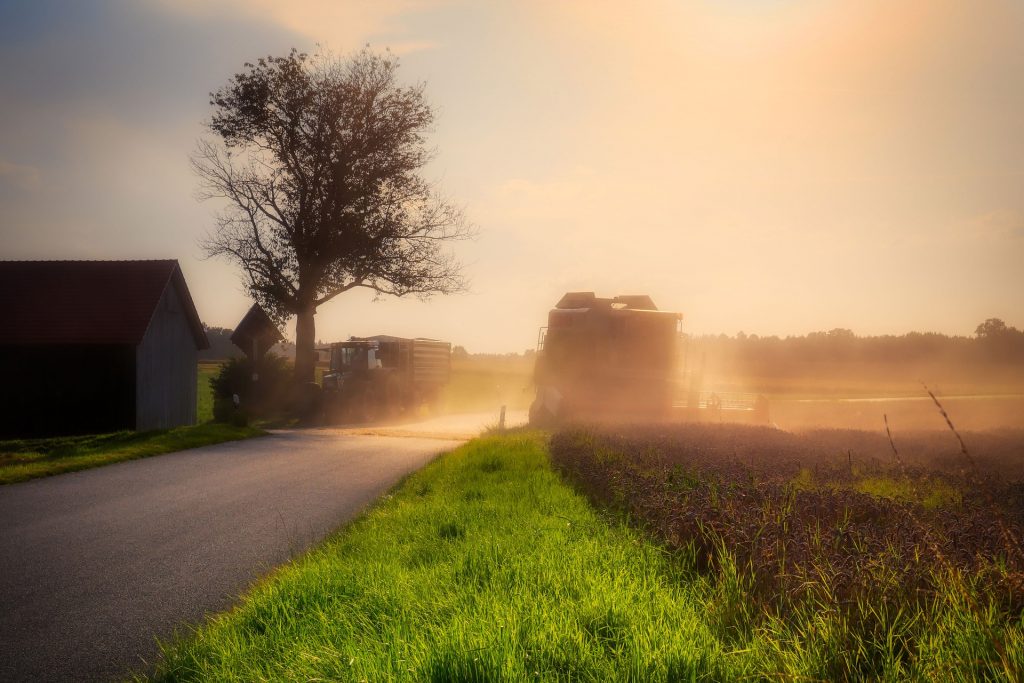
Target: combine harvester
{"x": 622, "y": 359}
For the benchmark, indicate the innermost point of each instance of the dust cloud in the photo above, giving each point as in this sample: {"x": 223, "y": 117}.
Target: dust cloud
{"x": 830, "y": 379}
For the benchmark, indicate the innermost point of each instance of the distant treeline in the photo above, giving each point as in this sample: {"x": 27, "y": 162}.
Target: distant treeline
{"x": 460, "y": 353}
{"x": 221, "y": 347}
{"x": 995, "y": 348}
{"x": 994, "y": 354}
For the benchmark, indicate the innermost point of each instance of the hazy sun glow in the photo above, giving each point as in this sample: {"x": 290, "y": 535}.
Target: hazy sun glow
{"x": 773, "y": 166}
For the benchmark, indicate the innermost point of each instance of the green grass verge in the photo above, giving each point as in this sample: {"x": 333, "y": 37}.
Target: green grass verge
{"x": 31, "y": 458}
{"x": 484, "y": 566}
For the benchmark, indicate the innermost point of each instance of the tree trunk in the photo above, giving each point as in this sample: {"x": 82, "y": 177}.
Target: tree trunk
{"x": 305, "y": 345}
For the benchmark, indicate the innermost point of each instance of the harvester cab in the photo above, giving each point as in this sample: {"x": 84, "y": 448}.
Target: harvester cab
{"x": 606, "y": 358}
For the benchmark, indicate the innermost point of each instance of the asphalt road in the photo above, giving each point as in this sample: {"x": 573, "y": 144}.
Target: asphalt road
{"x": 96, "y": 565}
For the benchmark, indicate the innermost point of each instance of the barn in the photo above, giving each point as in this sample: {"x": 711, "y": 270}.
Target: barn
{"x": 96, "y": 346}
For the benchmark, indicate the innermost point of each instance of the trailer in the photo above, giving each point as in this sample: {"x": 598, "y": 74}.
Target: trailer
{"x": 384, "y": 377}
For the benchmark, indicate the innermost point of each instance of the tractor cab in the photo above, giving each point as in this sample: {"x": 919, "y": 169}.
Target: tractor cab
{"x": 352, "y": 359}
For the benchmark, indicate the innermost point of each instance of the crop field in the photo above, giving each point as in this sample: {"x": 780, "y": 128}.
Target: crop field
{"x": 977, "y": 411}
{"x": 488, "y": 383}
{"x": 859, "y": 556}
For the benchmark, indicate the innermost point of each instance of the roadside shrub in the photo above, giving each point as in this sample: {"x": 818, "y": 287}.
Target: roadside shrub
{"x": 223, "y": 409}
{"x": 268, "y": 396}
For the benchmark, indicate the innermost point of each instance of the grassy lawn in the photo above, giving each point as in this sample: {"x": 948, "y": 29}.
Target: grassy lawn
{"x": 30, "y": 458}
{"x": 204, "y": 394}
{"x": 484, "y": 566}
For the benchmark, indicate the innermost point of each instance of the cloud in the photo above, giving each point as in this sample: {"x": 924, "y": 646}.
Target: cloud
{"x": 746, "y": 162}
{"x": 339, "y": 25}
{"x": 1005, "y": 224}
{"x": 19, "y": 176}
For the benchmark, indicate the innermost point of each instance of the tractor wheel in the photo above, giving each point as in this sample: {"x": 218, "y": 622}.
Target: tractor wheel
{"x": 391, "y": 398}
{"x": 367, "y": 407}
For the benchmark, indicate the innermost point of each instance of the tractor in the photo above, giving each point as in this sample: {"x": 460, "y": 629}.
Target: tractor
{"x": 384, "y": 377}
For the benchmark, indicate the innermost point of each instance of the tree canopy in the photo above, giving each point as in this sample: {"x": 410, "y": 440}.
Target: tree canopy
{"x": 993, "y": 328}
{"x": 320, "y": 162}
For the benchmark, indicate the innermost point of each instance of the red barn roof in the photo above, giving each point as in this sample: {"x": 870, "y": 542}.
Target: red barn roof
{"x": 87, "y": 302}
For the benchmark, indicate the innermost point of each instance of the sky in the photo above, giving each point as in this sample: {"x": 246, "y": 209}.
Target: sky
{"x": 771, "y": 166}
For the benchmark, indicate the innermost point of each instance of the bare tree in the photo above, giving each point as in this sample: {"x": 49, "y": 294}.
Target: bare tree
{"x": 319, "y": 160}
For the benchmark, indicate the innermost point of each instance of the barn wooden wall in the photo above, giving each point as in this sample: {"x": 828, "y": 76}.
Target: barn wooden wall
{"x": 51, "y": 390}
{"x": 165, "y": 375}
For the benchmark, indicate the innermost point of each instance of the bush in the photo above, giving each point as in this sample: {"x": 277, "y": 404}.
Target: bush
{"x": 265, "y": 397}
{"x": 223, "y": 409}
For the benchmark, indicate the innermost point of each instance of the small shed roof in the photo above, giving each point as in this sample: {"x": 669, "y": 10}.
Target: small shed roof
{"x": 88, "y": 302}
{"x": 256, "y": 325}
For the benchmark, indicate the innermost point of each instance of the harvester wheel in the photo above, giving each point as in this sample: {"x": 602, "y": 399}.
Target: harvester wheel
{"x": 540, "y": 416}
